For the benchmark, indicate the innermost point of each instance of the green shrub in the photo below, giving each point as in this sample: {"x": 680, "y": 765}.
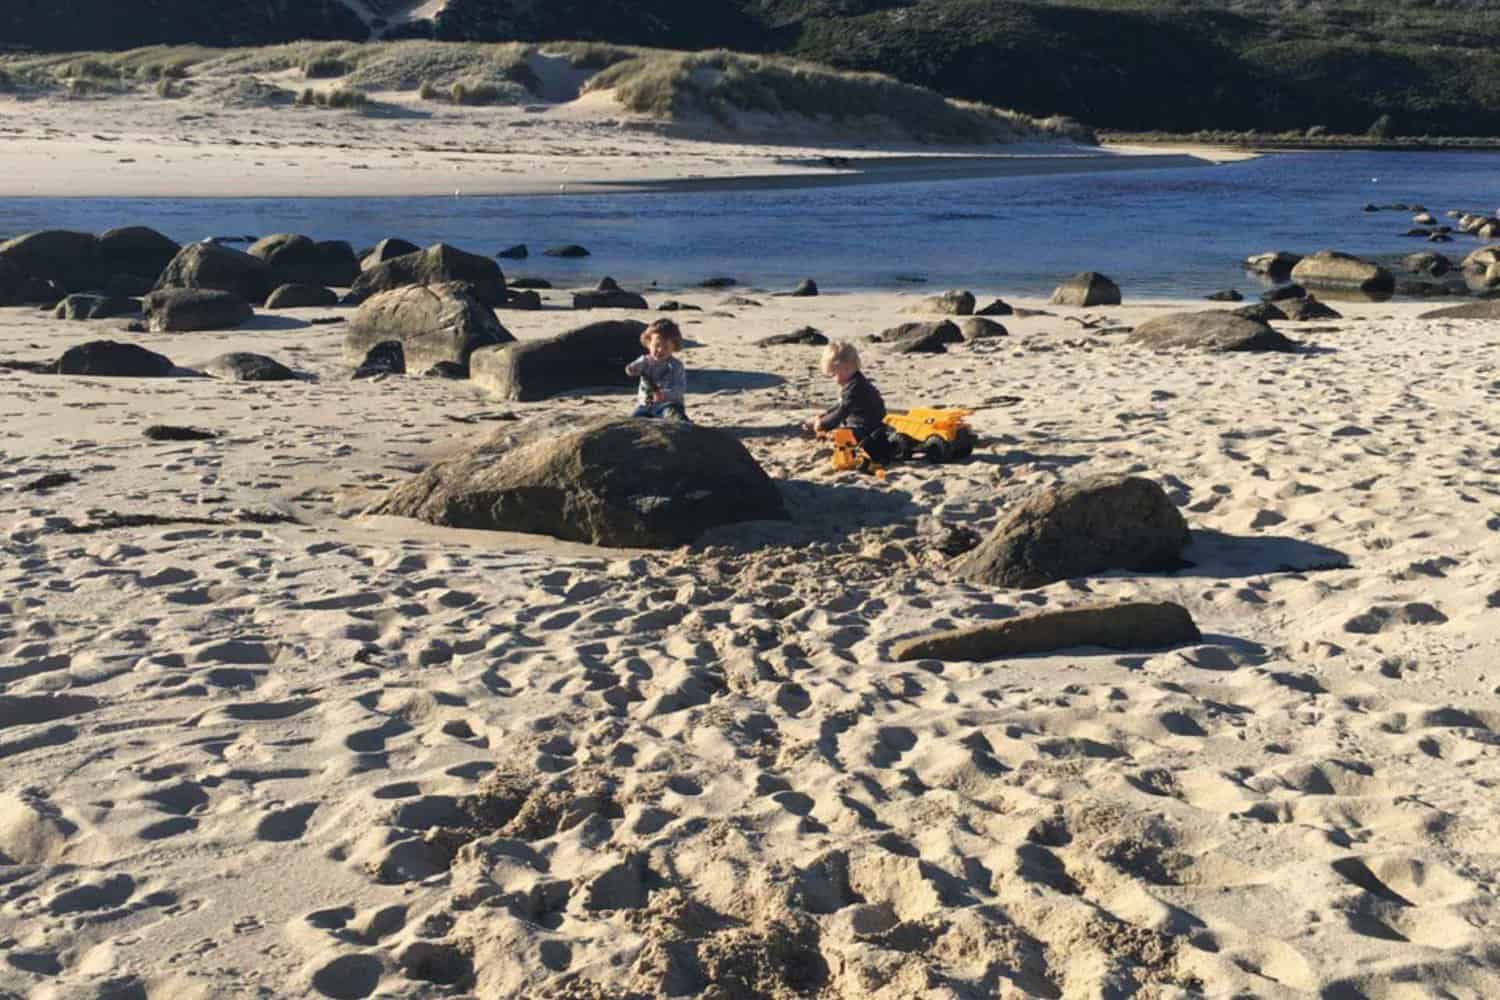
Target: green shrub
{"x": 476, "y": 93}
{"x": 326, "y": 68}
{"x": 167, "y": 88}
{"x": 428, "y": 92}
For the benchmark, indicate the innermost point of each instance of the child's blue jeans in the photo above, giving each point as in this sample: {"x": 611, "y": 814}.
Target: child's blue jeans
{"x": 669, "y": 411}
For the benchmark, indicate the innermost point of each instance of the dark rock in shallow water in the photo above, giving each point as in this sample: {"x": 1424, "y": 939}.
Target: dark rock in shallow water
{"x": 170, "y": 432}
{"x": 113, "y": 359}
{"x": 1087, "y": 288}
{"x": 82, "y": 306}
{"x": 1212, "y": 331}
{"x": 1276, "y": 264}
{"x": 808, "y": 336}
{"x": 806, "y": 288}
{"x": 588, "y": 357}
{"x": 1427, "y": 262}
{"x": 1132, "y": 625}
{"x": 566, "y": 250}
{"x": 240, "y": 366}
{"x": 541, "y": 283}
{"x": 385, "y": 358}
{"x": 1329, "y": 269}
{"x": 302, "y": 297}
{"x": 184, "y": 309}
{"x": 438, "y": 264}
{"x": 619, "y": 482}
{"x": 1078, "y": 529}
{"x": 210, "y": 266}
{"x": 517, "y": 252}
{"x": 433, "y": 323}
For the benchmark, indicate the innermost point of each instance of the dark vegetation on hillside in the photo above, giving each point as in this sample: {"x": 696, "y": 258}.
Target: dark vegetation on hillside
{"x": 1124, "y": 64}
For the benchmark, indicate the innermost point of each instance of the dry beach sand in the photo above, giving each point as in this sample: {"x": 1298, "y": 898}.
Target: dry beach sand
{"x": 255, "y": 747}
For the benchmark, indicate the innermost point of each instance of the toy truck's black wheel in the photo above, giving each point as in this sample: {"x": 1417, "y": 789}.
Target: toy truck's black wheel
{"x": 906, "y": 445}
{"x": 935, "y": 449}
{"x": 963, "y": 445}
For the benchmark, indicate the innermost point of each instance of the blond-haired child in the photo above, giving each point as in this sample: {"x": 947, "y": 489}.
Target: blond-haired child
{"x": 860, "y": 407}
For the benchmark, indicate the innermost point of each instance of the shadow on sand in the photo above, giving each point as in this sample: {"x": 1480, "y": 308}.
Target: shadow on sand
{"x": 1216, "y": 554}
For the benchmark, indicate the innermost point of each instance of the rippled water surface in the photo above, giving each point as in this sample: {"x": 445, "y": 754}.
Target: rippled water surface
{"x": 1156, "y": 232}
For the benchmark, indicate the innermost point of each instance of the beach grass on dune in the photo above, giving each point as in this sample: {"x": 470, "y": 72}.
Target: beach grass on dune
{"x": 726, "y": 87}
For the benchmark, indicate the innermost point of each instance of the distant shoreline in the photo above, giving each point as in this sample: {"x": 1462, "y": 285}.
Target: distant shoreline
{"x": 1280, "y": 143}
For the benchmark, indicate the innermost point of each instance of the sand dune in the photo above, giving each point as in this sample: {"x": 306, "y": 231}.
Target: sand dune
{"x": 266, "y": 746}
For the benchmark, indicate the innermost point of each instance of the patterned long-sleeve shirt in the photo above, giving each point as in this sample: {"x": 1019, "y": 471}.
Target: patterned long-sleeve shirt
{"x": 668, "y": 376}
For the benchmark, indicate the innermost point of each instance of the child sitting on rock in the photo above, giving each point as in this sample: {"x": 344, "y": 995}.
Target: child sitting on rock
{"x": 663, "y": 377}
{"x": 859, "y": 408}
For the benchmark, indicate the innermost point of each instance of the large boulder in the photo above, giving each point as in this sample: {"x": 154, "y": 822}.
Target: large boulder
{"x": 301, "y": 297}
{"x": 182, "y": 309}
{"x": 1487, "y": 309}
{"x": 1334, "y": 271}
{"x": 438, "y": 264}
{"x": 68, "y": 258}
{"x": 585, "y": 358}
{"x": 242, "y": 366}
{"x": 211, "y": 265}
{"x": 112, "y": 358}
{"x": 1077, "y": 529}
{"x": 1479, "y": 260}
{"x": 1087, "y": 288}
{"x": 951, "y": 303}
{"x": 1131, "y": 625}
{"x": 1276, "y": 264}
{"x": 921, "y": 338}
{"x": 82, "y": 305}
{"x": 981, "y": 328}
{"x": 138, "y": 251}
{"x": 433, "y": 323}
{"x": 299, "y": 260}
{"x": 1214, "y": 331}
{"x": 1427, "y": 262}
{"x": 616, "y": 482}
{"x": 387, "y": 249}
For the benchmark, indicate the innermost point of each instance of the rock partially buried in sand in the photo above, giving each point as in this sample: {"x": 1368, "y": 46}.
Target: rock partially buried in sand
{"x": 999, "y": 307}
{"x": 184, "y": 309}
{"x": 951, "y": 303}
{"x": 1087, "y": 288}
{"x": 922, "y": 338}
{"x": 1225, "y": 295}
{"x": 588, "y": 357}
{"x": 433, "y": 323}
{"x": 1214, "y": 331}
{"x": 807, "y": 335}
{"x": 209, "y": 265}
{"x": 1331, "y": 270}
{"x": 1307, "y": 308}
{"x": 980, "y": 328}
{"x": 438, "y": 264}
{"x": 1133, "y": 625}
{"x": 1487, "y": 309}
{"x": 608, "y": 295}
{"x": 81, "y": 306}
{"x": 241, "y": 366}
{"x": 114, "y": 359}
{"x": 619, "y": 482}
{"x": 1077, "y": 529}
{"x": 302, "y": 297}
{"x": 385, "y": 358}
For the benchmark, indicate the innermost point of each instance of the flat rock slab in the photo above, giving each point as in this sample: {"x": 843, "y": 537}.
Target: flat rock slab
{"x": 1214, "y": 331}
{"x": 179, "y": 310}
{"x": 1485, "y": 309}
{"x": 616, "y": 482}
{"x": 1132, "y": 625}
{"x": 808, "y": 336}
{"x": 241, "y": 366}
{"x": 115, "y": 359}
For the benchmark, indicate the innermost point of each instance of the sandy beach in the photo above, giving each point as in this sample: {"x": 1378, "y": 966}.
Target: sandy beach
{"x": 252, "y": 736}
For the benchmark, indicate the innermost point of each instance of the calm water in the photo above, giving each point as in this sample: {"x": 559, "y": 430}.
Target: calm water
{"x": 1156, "y": 232}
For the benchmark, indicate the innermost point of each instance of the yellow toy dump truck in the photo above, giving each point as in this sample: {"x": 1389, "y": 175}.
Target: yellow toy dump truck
{"x": 847, "y": 454}
{"x": 938, "y": 435}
